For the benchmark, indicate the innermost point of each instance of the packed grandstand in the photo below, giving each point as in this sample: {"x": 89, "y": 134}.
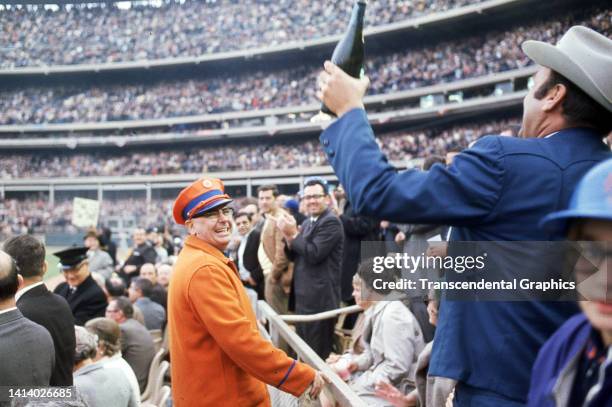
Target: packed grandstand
{"x": 119, "y": 105}
{"x": 405, "y": 78}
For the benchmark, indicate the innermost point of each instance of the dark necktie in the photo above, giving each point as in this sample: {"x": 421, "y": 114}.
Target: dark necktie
{"x": 71, "y": 291}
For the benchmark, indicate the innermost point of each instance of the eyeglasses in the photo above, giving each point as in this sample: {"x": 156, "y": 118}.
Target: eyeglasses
{"x": 112, "y": 310}
{"x": 215, "y": 214}
{"x": 314, "y": 196}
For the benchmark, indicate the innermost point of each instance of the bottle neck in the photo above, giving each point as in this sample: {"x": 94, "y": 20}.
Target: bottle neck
{"x": 358, "y": 13}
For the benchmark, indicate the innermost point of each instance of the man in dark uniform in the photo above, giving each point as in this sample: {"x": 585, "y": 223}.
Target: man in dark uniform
{"x": 40, "y": 305}
{"x": 142, "y": 253}
{"x": 85, "y": 297}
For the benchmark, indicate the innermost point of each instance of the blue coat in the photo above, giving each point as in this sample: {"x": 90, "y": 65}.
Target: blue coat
{"x": 555, "y": 368}
{"x": 498, "y": 190}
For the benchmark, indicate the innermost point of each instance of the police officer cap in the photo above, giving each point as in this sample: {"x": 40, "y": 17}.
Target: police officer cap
{"x": 71, "y": 258}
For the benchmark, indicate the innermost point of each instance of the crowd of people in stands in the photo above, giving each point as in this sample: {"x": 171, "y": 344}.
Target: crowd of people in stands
{"x": 119, "y": 304}
{"x": 104, "y": 33}
{"x": 101, "y": 328}
{"x": 37, "y": 215}
{"x": 404, "y": 145}
{"x": 420, "y": 66}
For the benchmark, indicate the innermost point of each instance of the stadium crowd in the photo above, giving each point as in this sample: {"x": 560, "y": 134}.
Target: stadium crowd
{"x": 101, "y": 328}
{"x": 246, "y": 156}
{"x": 104, "y": 33}
{"x": 447, "y": 61}
{"x": 115, "y": 316}
{"x": 37, "y": 215}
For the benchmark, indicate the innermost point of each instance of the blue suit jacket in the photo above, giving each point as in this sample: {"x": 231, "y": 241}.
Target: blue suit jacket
{"x": 498, "y": 190}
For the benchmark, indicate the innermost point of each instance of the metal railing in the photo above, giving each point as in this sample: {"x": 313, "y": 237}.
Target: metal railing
{"x": 340, "y": 391}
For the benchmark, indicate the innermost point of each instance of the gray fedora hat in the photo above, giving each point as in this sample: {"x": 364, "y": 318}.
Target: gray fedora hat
{"x": 583, "y": 56}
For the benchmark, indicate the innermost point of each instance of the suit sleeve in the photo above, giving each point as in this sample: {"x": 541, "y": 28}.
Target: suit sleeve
{"x": 281, "y": 262}
{"x": 398, "y": 338}
{"x": 357, "y": 226}
{"x": 214, "y": 300}
{"x": 465, "y": 193}
{"x": 316, "y": 249}
{"x": 251, "y": 262}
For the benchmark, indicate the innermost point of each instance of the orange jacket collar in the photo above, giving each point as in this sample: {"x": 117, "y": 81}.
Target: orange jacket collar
{"x": 206, "y": 247}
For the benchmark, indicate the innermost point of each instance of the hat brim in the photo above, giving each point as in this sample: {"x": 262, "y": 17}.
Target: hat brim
{"x": 63, "y": 267}
{"x": 558, "y": 222}
{"x": 550, "y": 56}
{"x": 215, "y": 205}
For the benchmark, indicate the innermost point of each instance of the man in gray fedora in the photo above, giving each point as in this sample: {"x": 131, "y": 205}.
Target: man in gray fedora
{"x": 496, "y": 190}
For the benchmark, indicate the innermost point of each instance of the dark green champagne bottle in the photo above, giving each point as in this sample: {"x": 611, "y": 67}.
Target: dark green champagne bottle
{"x": 349, "y": 53}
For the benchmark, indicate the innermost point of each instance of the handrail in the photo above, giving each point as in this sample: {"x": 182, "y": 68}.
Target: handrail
{"x": 321, "y": 315}
{"x": 412, "y": 23}
{"x": 342, "y": 393}
{"x": 372, "y": 100}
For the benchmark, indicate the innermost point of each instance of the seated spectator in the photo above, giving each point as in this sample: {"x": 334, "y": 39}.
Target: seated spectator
{"x": 164, "y": 271}
{"x": 339, "y": 363}
{"x": 99, "y": 385}
{"x": 137, "y": 346}
{"x": 395, "y": 340}
{"x": 100, "y": 262}
{"x": 573, "y": 368}
{"x": 28, "y": 356}
{"x": 140, "y": 295}
{"x": 108, "y": 333}
{"x": 159, "y": 293}
{"x": 115, "y": 288}
{"x": 430, "y": 391}
{"x": 85, "y": 297}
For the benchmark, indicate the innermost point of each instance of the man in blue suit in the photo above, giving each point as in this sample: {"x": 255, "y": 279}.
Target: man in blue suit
{"x": 498, "y": 190}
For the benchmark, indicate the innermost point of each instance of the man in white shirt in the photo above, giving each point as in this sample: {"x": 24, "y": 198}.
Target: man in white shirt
{"x": 248, "y": 268}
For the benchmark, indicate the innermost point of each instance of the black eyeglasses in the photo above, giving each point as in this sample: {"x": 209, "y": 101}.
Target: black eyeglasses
{"x": 313, "y": 196}
{"x": 216, "y": 213}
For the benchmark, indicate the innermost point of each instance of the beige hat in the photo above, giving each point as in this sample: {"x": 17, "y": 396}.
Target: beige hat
{"x": 583, "y": 56}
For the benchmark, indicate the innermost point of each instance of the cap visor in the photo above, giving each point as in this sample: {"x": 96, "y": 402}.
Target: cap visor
{"x": 215, "y": 205}
{"x": 558, "y": 221}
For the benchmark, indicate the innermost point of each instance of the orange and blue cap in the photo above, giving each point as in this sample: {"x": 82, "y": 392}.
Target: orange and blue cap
{"x": 203, "y": 195}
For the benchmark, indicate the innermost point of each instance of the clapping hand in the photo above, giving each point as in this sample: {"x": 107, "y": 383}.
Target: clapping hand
{"x": 390, "y": 393}
{"x": 287, "y": 225}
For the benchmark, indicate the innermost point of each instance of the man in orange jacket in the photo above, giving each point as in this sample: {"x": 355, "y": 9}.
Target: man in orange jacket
{"x": 218, "y": 356}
